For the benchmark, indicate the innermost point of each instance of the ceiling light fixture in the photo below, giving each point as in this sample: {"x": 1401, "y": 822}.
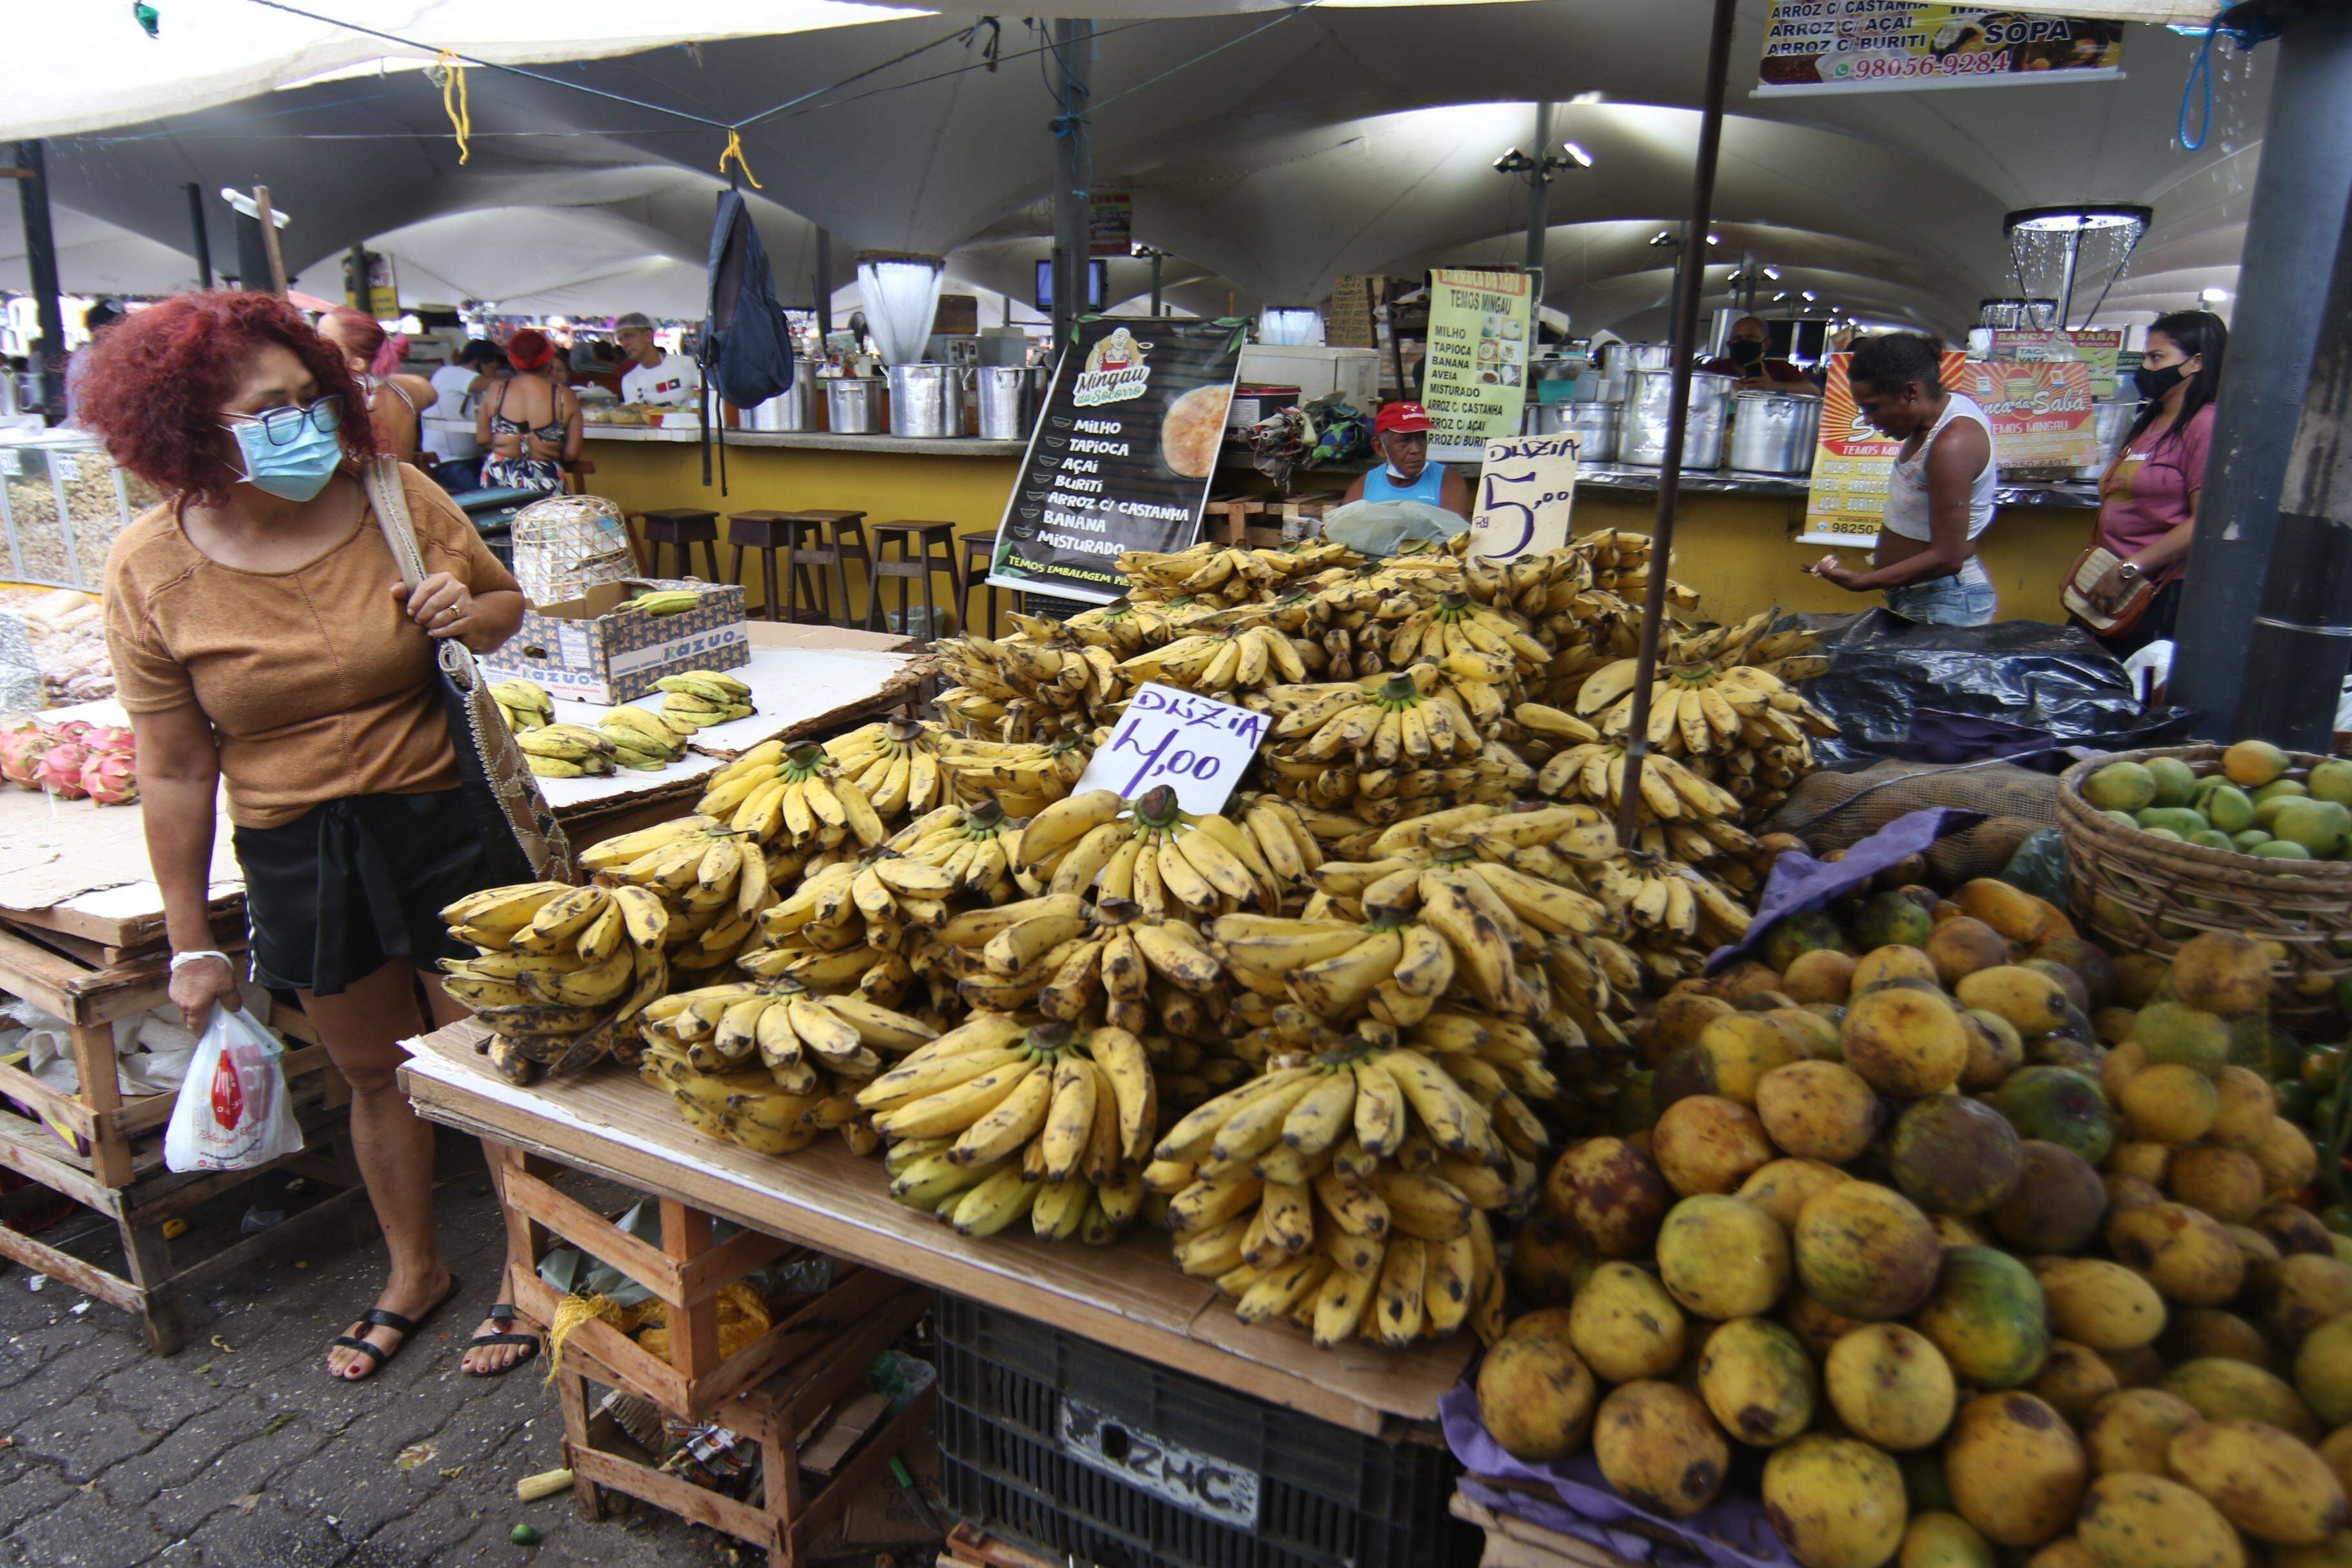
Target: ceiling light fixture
{"x": 1578, "y": 155}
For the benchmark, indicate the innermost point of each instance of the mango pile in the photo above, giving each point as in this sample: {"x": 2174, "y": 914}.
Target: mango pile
{"x": 2252, "y": 804}
{"x": 1984, "y": 1244}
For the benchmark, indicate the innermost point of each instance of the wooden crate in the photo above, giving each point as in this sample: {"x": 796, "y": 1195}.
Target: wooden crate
{"x": 115, "y": 1164}
{"x": 771, "y": 1391}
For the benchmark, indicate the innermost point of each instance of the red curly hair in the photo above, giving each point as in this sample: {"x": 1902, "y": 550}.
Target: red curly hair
{"x": 152, "y": 386}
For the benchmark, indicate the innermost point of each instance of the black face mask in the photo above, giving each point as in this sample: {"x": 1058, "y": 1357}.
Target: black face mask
{"x": 2154, "y": 381}
{"x": 1744, "y": 353}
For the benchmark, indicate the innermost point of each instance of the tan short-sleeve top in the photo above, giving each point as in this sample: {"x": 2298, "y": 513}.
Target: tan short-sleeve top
{"x": 315, "y": 681}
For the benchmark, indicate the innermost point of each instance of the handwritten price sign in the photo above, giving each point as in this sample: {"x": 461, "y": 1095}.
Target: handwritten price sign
{"x": 1526, "y": 489}
{"x": 1194, "y": 745}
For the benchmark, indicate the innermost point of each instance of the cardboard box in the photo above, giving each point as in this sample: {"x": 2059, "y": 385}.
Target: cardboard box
{"x": 592, "y": 650}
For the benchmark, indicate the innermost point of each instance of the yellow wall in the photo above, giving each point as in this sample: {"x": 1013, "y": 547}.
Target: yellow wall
{"x": 1739, "y": 552}
{"x": 640, "y": 476}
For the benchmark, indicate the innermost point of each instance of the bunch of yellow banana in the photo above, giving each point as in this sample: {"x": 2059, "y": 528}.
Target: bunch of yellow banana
{"x": 525, "y": 703}
{"x": 1024, "y": 688}
{"x": 746, "y": 1106}
{"x": 789, "y": 1030}
{"x": 641, "y": 739}
{"x": 1595, "y": 772}
{"x": 896, "y": 761}
{"x": 565, "y": 751}
{"x": 1622, "y": 564}
{"x": 794, "y": 793}
{"x": 558, "y": 970}
{"x": 713, "y": 883}
{"x": 1698, "y": 708}
{"x": 1010, "y": 1116}
{"x": 1235, "y": 659}
{"x": 699, "y": 699}
{"x": 1380, "y": 721}
{"x": 1151, "y": 851}
{"x": 1348, "y": 1190}
{"x": 1228, "y": 572}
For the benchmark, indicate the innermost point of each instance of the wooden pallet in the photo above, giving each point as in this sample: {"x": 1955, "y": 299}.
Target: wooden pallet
{"x": 114, "y": 1163}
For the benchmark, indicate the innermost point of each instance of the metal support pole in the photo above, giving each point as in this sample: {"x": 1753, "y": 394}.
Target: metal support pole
{"x": 2303, "y": 635}
{"x": 1690, "y": 274}
{"x": 267, "y": 216}
{"x": 41, "y": 261}
{"x": 355, "y": 276}
{"x": 1158, "y": 258}
{"x": 1539, "y": 191}
{"x": 1073, "y": 174}
{"x": 823, "y": 286}
{"x": 196, "y": 226}
{"x": 2293, "y": 231}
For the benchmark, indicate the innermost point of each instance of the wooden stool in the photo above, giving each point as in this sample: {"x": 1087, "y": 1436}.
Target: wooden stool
{"x": 801, "y": 540}
{"x": 682, "y": 528}
{"x": 845, "y": 533}
{"x": 576, "y": 474}
{"x": 979, "y": 554}
{"x": 924, "y": 548}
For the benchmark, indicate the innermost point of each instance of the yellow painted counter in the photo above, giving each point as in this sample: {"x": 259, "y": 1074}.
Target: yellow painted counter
{"x": 1739, "y": 551}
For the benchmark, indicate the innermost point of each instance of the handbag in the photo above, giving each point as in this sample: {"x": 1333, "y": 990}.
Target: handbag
{"x": 2089, "y": 567}
{"x": 519, "y": 833}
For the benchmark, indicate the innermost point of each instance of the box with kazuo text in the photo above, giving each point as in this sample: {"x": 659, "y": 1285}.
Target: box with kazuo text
{"x": 594, "y": 648}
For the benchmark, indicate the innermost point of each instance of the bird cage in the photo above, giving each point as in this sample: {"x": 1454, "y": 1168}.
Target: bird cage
{"x": 565, "y": 545}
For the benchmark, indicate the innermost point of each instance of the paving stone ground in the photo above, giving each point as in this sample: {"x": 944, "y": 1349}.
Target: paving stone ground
{"x": 240, "y": 1452}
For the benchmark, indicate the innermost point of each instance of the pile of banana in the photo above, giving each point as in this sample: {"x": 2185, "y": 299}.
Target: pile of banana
{"x": 1011, "y": 1116}
{"x": 663, "y": 601}
{"x": 696, "y": 699}
{"x": 525, "y": 703}
{"x": 567, "y": 751}
{"x": 1349, "y": 1190}
{"x": 560, "y": 972}
{"x": 642, "y": 739}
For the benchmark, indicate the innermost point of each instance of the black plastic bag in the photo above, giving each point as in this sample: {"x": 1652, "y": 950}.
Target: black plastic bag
{"x": 1903, "y": 690}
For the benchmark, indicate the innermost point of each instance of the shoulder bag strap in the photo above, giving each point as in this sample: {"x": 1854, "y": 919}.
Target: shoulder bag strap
{"x": 389, "y": 497}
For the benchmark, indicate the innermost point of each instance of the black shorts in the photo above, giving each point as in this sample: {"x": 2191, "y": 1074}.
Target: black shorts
{"x": 348, "y": 885}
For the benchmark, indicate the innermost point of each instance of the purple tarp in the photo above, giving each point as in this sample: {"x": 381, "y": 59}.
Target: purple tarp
{"x": 1799, "y": 882}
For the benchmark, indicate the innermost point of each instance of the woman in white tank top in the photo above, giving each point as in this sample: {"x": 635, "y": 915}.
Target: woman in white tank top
{"x": 1939, "y": 497}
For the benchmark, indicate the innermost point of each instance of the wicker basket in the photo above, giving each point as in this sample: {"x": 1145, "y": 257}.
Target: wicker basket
{"x": 2147, "y": 894}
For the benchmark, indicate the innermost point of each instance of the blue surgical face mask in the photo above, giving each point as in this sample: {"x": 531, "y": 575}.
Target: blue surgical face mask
{"x": 291, "y": 453}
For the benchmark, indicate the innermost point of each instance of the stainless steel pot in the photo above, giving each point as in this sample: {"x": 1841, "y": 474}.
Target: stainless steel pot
{"x": 1620, "y": 359}
{"x": 1774, "y": 432}
{"x": 795, "y": 408}
{"x": 1598, "y": 428}
{"x": 1010, "y": 396}
{"x": 853, "y": 405}
{"x": 1649, "y": 402}
{"x": 926, "y": 399}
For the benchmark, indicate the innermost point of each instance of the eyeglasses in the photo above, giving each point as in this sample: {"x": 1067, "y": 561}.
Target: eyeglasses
{"x": 284, "y": 426}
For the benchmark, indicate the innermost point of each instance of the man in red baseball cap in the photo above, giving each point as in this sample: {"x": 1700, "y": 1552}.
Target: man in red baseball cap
{"x": 1400, "y": 436}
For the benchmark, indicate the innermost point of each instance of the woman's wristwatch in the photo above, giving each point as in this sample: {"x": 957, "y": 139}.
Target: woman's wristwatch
{"x": 2130, "y": 570}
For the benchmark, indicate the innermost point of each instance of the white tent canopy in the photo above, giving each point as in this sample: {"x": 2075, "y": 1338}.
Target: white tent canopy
{"x": 1326, "y": 142}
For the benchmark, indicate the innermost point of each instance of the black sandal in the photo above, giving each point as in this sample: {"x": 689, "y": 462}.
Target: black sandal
{"x": 502, "y": 1314}
{"x": 377, "y": 1317}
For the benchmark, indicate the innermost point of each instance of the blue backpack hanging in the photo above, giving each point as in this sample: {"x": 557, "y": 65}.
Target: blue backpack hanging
{"x": 747, "y": 348}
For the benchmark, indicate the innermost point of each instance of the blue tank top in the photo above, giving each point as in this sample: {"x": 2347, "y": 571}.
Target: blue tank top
{"x": 1427, "y": 486}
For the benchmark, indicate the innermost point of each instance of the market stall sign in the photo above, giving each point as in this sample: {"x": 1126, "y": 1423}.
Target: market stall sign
{"x": 1474, "y": 377}
{"x": 1110, "y": 222}
{"x": 1900, "y": 45}
{"x": 2100, "y": 348}
{"x": 1197, "y": 746}
{"x": 1526, "y": 489}
{"x": 1121, "y": 458}
{"x": 2043, "y": 417}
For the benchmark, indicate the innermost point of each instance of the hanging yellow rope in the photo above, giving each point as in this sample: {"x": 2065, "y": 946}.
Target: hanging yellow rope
{"x": 454, "y": 104}
{"x": 735, "y": 151}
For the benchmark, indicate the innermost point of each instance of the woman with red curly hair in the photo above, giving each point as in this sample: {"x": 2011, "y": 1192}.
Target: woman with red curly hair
{"x": 529, "y": 425}
{"x": 394, "y": 401}
{"x": 261, "y": 634}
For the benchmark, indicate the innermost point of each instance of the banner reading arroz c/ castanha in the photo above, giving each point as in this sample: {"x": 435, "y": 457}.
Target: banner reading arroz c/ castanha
{"x": 1121, "y": 458}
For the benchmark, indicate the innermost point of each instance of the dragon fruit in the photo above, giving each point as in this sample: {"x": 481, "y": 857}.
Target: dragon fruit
{"x": 109, "y": 778}
{"x": 71, "y": 728}
{"x": 20, "y": 753}
{"x": 108, "y": 738}
{"x": 60, "y": 771}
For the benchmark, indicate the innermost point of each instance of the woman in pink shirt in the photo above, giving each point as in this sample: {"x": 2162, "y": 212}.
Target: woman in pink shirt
{"x": 2148, "y": 498}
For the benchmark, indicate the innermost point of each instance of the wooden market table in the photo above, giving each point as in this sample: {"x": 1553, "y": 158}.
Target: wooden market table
{"x": 1129, "y": 1296}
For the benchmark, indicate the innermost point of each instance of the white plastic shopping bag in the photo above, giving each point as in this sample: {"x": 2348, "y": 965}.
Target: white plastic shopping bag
{"x": 234, "y": 1111}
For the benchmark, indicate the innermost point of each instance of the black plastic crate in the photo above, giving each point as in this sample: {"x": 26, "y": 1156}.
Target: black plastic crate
{"x": 1067, "y": 1446}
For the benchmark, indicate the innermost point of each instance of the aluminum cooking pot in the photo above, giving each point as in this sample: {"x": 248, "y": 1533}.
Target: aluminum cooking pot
{"x": 853, "y": 405}
{"x": 1649, "y": 403}
{"x": 1774, "y": 432}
